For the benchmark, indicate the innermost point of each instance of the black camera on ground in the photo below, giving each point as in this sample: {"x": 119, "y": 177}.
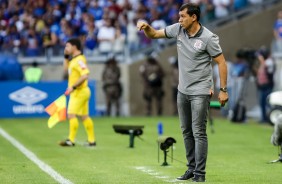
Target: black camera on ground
{"x": 164, "y": 142}
{"x": 131, "y": 130}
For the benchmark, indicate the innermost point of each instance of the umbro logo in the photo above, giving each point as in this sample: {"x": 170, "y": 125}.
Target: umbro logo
{"x": 28, "y": 95}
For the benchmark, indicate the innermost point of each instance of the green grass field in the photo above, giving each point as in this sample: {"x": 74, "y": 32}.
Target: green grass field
{"x": 238, "y": 153}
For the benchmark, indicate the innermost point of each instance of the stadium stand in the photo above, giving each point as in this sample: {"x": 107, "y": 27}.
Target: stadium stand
{"x": 40, "y": 28}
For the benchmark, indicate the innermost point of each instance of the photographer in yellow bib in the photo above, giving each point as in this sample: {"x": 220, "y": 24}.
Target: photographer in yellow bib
{"x": 79, "y": 92}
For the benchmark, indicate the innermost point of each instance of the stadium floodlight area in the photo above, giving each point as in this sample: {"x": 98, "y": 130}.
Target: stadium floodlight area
{"x": 164, "y": 142}
{"x": 131, "y": 130}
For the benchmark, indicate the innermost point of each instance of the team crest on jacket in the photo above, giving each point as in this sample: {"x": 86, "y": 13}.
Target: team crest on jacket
{"x": 198, "y": 44}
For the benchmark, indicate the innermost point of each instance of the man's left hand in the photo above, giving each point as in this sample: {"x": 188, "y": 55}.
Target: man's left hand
{"x": 222, "y": 98}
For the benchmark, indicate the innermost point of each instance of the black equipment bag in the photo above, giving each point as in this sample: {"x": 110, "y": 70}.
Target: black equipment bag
{"x": 239, "y": 112}
{"x": 240, "y": 109}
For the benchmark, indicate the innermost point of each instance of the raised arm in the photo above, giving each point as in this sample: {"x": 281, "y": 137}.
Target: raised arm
{"x": 149, "y": 31}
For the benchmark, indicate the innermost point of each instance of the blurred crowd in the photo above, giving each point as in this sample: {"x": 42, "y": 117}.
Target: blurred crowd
{"x": 41, "y": 27}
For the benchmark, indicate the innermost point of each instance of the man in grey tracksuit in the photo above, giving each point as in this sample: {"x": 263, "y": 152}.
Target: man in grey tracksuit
{"x": 196, "y": 47}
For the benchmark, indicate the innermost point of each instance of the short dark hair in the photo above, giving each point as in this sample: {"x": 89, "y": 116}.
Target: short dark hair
{"x": 34, "y": 64}
{"x": 75, "y": 42}
{"x": 192, "y": 9}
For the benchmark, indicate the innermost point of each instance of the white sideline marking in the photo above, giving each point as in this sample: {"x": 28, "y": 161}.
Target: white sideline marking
{"x": 31, "y": 156}
{"x": 157, "y": 175}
